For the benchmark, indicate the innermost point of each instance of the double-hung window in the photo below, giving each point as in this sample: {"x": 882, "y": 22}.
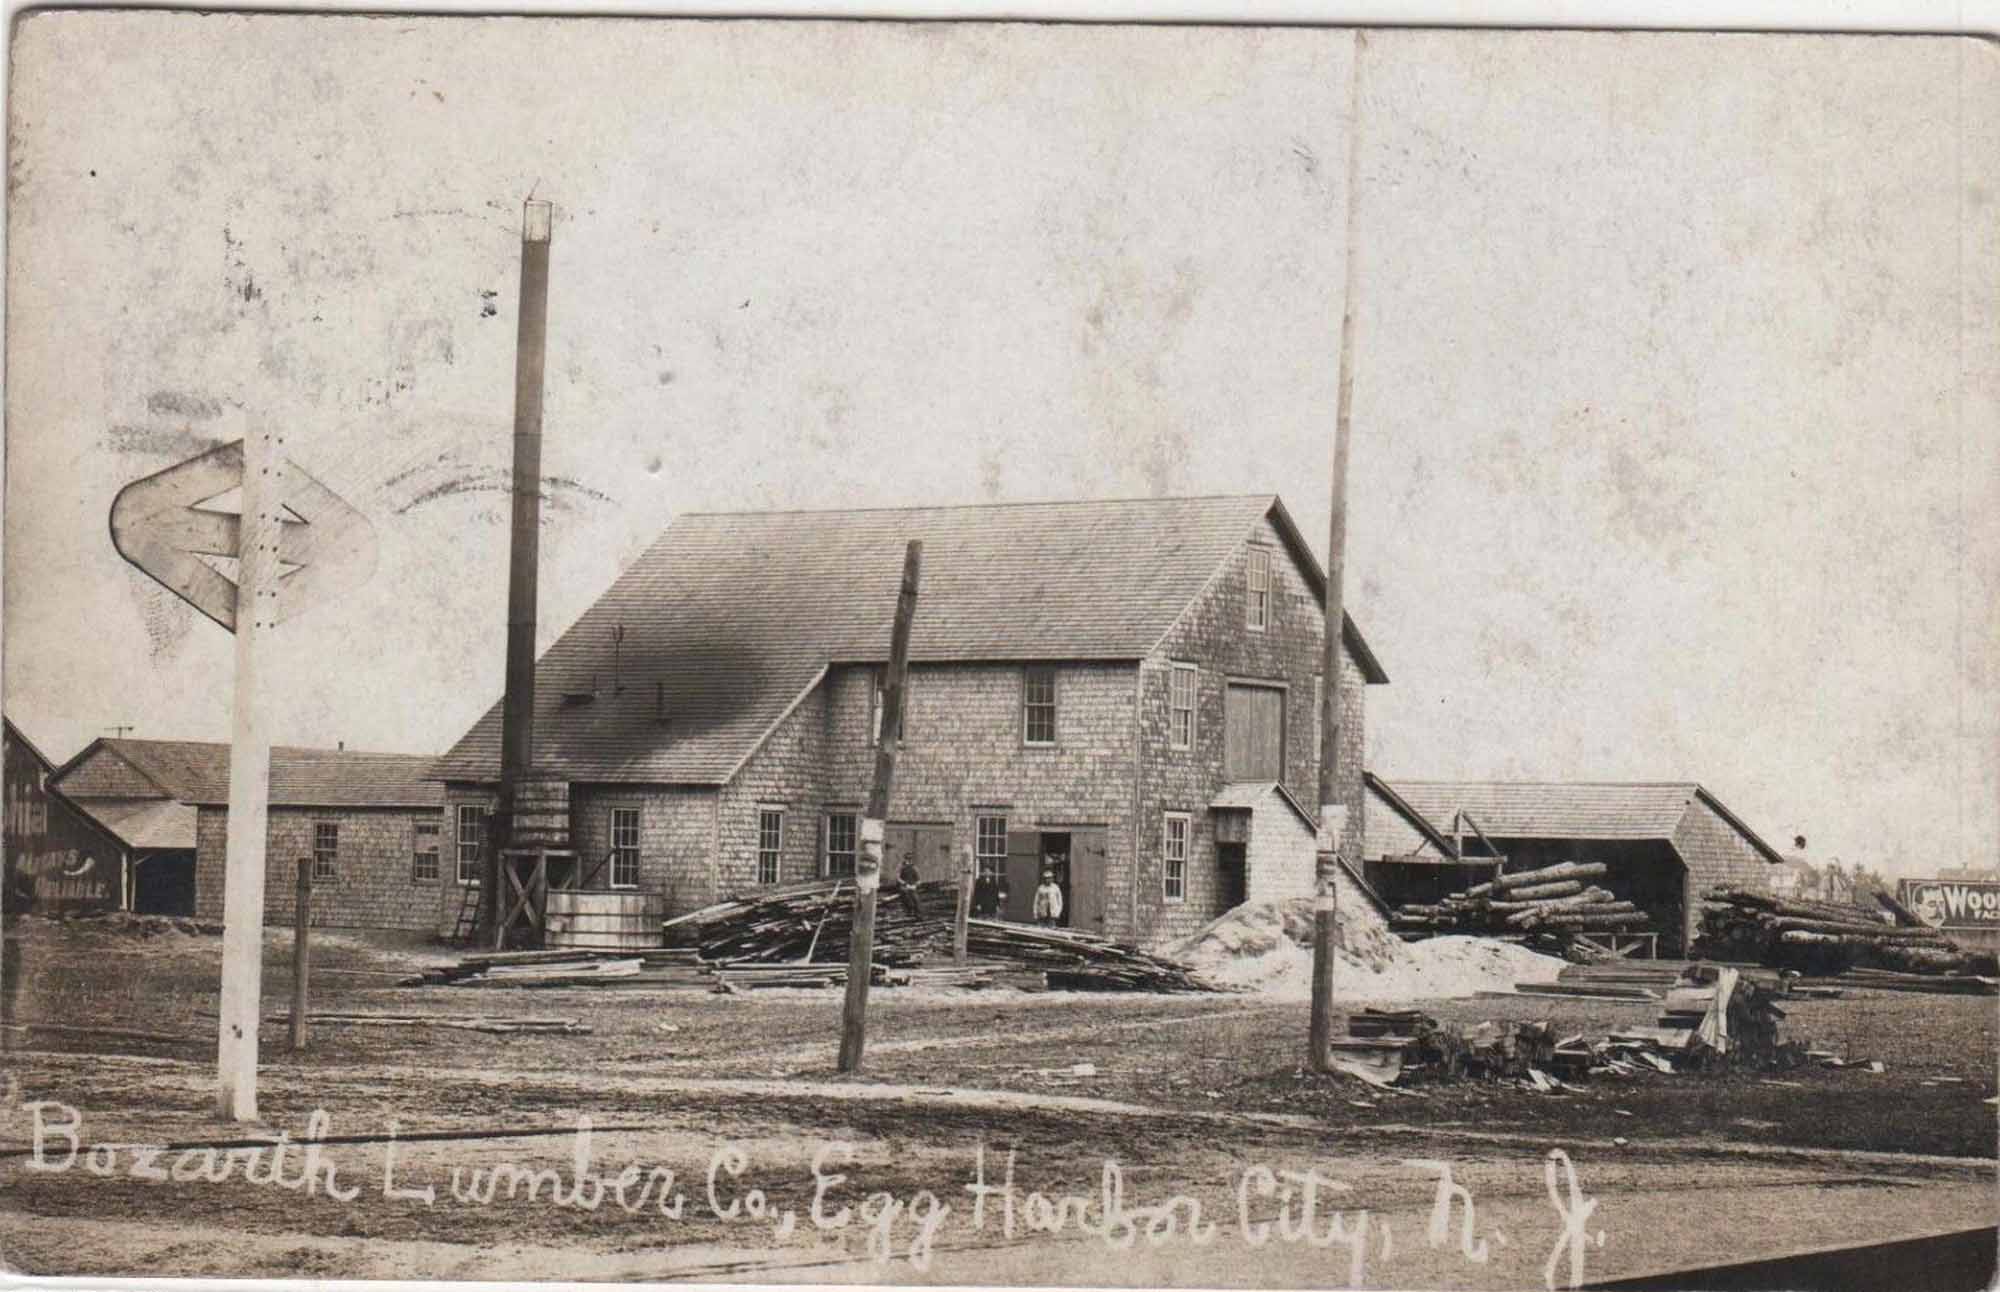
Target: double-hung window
{"x": 424, "y": 862}
{"x": 1258, "y": 581}
{"x": 770, "y": 843}
{"x": 989, "y": 845}
{"x": 1038, "y": 704}
{"x": 326, "y": 849}
{"x": 624, "y": 847}
{"x": 1180, "y": 706}
{"x": 839, "y": 843}
{"x": 468, "y": 843}
{"x": 1174, "y": 852}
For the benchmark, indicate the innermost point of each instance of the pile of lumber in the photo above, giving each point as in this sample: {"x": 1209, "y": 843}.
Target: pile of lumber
{"x": 1823, "y": 938}
{"x": 810, "y": 925}
{"x": 661, "y": 967}
{"x": 1559, "y": 900}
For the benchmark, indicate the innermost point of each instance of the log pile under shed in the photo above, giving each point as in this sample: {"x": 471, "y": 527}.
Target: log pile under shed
{"x": 1549, "y": 905}
{"x": 1827, "y": 938}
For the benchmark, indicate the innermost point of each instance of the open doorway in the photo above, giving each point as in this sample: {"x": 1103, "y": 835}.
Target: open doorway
{"x": 1232, "y": 876}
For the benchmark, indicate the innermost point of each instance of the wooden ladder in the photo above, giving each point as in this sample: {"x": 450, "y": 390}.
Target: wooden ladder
{"x": 467, "y": 924}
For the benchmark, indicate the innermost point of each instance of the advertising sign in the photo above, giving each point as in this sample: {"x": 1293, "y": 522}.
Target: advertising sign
{"x": 1953, "y": 903}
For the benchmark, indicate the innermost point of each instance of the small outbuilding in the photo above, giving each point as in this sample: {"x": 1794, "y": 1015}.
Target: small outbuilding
{"x": 369, "y": 823}
{"x": 59, "y": 860}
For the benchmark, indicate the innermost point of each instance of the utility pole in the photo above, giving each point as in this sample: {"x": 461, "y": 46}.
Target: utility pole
{"x": 517, "y": 723}
{"x": 967, "y": 876}
{"x": 868, "y": 865}
{"x": 249, "y": 776}
{"x": 1332, "y": 775}
{"x": 301, "y": 951}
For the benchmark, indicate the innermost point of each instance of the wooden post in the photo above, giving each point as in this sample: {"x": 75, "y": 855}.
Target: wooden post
{"x": 1332, "y": 775}
{"x": 968, "y": 875}
{"x": 249, "y": 778}
{"x": 301, "y": 952}
{"x": 868, "y": 864}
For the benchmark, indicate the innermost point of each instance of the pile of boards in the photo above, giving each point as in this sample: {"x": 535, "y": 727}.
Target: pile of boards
{"x": 1826, "y": 938}
{"x": 1552, "y": 903}
{"x": 663, "y": 967}
{"x": 807, "y": 927}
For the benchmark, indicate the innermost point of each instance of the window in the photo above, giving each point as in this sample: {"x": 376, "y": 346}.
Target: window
{"x": 624, "y": 847}
{"x": 1259, "y": 577}
{"x": 989, "y": 846}
{"x": 1174, "y": 849}
{"x": 839, "y": 844}
{"x": 1038, "y": 704}
{"x": 424, "y": 865}
{"x": 469, "y": 843}
{"x": 326, "y": 849}
{"x": 1180, "y": 726}
{"x": 875, "y": 718}
{"x": 770, "y": 843}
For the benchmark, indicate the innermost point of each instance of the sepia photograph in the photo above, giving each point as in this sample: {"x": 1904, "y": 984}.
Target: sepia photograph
{"x": 999, "y": 653}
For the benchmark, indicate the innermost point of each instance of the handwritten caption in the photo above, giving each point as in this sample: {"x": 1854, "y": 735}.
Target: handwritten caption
{"x": 1272, "y": 1205}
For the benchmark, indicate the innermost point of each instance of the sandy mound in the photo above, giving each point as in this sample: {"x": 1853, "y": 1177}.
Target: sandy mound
{"x": 1267, "y": 947}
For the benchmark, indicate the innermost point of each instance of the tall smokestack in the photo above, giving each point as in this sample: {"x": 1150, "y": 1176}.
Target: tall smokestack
{"x": 517, "y": 728}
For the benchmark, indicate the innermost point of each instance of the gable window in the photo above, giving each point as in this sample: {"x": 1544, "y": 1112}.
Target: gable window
{"x": 875, "y": 717}
{"x": 989, "y": 846}
{"x": 326, "y": 849}
{"x": 624, "y": 847}
{"x": 1180, "y": 706}
{"x": 1174, "y": 852}
{"x": 468, "y": 843}
{"x": 839, "y": 844}
{"x": 770, "y": 843}
{"x": 1258, "y": 577}
{"x": 1038, "y": 704}
{"x": 424, "y": 864}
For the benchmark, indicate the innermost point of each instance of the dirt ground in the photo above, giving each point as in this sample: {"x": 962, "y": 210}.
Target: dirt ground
{"x": 1190, "y": 1097}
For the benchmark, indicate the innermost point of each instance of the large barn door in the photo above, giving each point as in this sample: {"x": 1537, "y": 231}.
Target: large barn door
{"x": 1254, "y": 731}
{"x": 932, "y": 846}
{"x": 1024, "y": 875}
{"x": 1088, "y": 856}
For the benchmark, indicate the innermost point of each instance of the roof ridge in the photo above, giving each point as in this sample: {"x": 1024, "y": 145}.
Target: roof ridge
{"x": 1689, "y": 783}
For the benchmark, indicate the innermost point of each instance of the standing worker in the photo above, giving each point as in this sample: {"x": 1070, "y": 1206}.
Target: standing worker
{"x": 907, "y": 879}
{"x": 1048, "y": 901}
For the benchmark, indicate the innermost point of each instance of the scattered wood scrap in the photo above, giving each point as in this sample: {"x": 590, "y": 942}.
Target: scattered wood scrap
{"x": 462, "y": 1022}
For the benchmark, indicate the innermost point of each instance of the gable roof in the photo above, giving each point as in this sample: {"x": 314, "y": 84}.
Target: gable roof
{"x": 143, "y": 823}
{"x": 20, "y": 738}
{"x": 1409, "y": 815}
{"x": 197, "y": 772}
{"x": 1571, "y": 809}
{"x": 729, "y": 619}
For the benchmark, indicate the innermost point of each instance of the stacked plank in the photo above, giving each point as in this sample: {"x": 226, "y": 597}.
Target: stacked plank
{"x": 1821, "y": 938}
{"x": 810, "y": 925}
{"x": 1558, "y": 899}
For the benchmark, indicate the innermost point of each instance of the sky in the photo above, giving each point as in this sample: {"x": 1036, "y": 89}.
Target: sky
{"x": 1675, "y": 451}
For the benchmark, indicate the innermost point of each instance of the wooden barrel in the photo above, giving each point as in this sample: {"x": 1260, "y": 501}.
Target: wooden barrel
{"x": 599, "y": 920}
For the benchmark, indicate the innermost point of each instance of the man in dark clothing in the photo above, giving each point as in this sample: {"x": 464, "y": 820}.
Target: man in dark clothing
{"x": 907, "y": 879}
{"x": 987, "y": 896}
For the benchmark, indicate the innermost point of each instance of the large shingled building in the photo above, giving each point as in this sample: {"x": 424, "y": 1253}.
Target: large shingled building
{"x": 1123, "y": 690}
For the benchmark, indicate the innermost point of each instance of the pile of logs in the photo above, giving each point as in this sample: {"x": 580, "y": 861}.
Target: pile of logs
{"x": 1822, "y": 938}
{"x": 1557, "y": 899}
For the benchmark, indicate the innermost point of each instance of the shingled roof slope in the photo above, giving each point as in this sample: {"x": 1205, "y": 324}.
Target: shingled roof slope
{"x": 729, "y": 618}
{"x": 1570, "y": 809}
{"x": 197, "y": 772}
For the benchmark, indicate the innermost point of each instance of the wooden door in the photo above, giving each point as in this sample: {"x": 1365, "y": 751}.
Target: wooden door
{"x": 1254, "y": 733}
{"x": 1024, "y": 875}
{"x": 1088, "y": 858}
{"x": 931, "y": 845}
